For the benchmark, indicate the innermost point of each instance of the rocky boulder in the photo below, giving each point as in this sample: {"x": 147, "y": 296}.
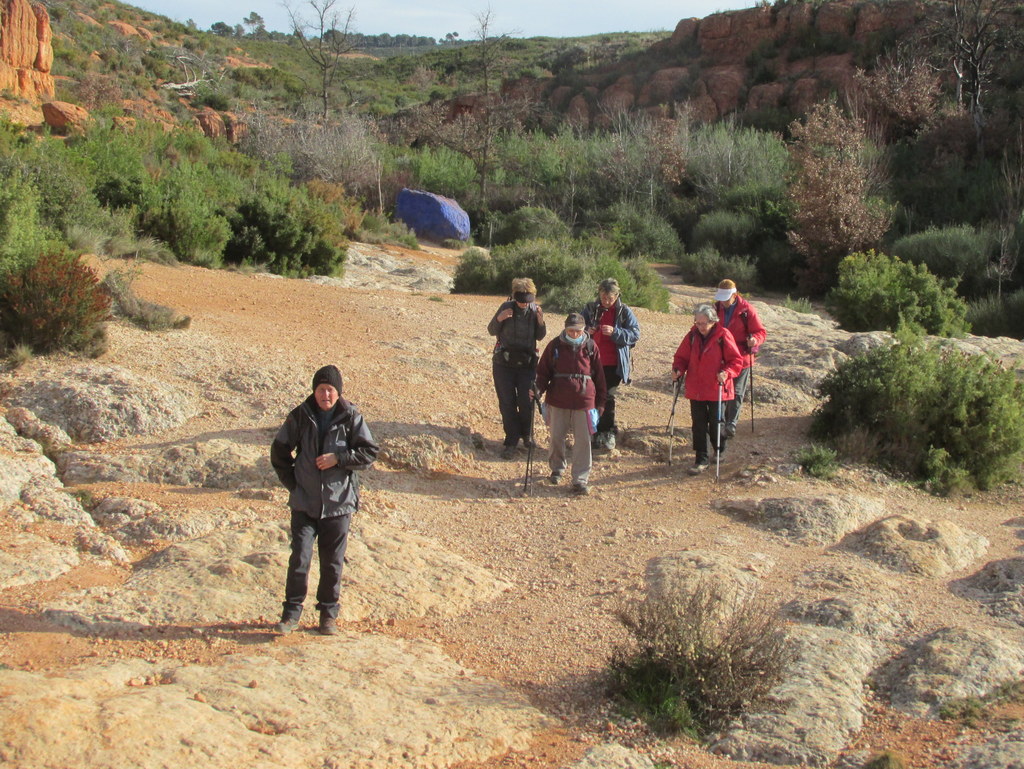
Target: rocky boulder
{"x": 26, "y": 558}
{"x": 999, "y": 586}
{"x": 817, "y": 520}
{"x": 1001, "y": 751}
{"x": 910, "y": 544}
{"x": 679, "y": 574}
{"x": 93, "y": 403}
{"x": 432, "y": 217}
{"x": 64, "y": 117}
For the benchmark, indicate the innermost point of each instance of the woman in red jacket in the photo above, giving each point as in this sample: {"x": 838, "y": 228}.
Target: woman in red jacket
{"x": 709, "y": 359}
{"x": 571, "y": 375}
{"x": 739, "y": 316}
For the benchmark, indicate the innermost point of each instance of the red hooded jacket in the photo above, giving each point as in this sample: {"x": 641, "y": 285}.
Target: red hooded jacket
{"x": 745, "y": 326}
{"x": 702, "y": 358}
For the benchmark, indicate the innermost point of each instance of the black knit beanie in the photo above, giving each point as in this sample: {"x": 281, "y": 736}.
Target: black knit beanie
{"x": 328, "y": 375}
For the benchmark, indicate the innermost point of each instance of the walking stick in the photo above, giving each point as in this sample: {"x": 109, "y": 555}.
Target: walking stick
{"x": 718, "y": 433}
{"x": 672, "y": 419}
{"x": 751, "y": 385}
{"x": 528, "y": 479}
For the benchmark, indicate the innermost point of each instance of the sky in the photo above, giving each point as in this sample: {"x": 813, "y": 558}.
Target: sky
{"x": 436, "y": 18}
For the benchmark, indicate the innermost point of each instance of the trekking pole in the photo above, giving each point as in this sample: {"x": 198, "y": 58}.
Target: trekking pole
{"x": 672, "y": 420}
{"x": 528, "y": 478}
{"x": 718, "y": 433}
{"x": 751, "y": 385}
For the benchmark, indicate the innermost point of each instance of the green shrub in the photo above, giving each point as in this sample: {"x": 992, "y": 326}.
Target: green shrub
{"x": 697, "y": 661}
{"x": 879, "y": 292}
{"x": 938, "y": 414}
{"x": 728, "y": 232}
{"x": 187, "y": 217}
{"x": 443, "y": 171}
{"x": 287, "y": 232}
{"x": 22, "y": 236}
{"x": 960, "y": 253}
{"x": 641, "y": 232}
{"x": 566, "y": 272}
{"x": 998, "y": 316}
{"x": 818, "y": 461}
{"x": 475, "y": 273}
{"x": 55, "y": 303}
{"x": 377, "y": 229}
{"x": 800, "y": 304}
{"x": 527, "y": 223}
{"x": 707, "y": 267}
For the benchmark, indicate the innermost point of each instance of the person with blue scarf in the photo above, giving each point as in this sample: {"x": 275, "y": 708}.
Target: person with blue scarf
{"x": 571, "y": 379}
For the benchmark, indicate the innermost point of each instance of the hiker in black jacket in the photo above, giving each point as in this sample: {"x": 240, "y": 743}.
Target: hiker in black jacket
{"x": 518, "y": 325}
{"x": 317, "y": 454}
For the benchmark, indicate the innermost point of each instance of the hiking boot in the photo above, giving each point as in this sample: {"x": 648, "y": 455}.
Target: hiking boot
{"x": 509, "y": 452}
{"x": 579, "y": 490}
{"x": 729, "y": 431}
{"x": 328, "y": 625}
{"x": 287, "y": 625}
{"x": 529, "y": 443}
{"x": 698, "y": 467}
{"x": 609, "y": 442}
{"x": 555, "y": 478}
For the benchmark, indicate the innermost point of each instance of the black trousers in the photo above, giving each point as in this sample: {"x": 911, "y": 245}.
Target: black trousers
{"x": 332, "y": 540}
{"x": 513, "y": 388}
{"x": 705, "y": 427}
{"x": 606, "y": 424}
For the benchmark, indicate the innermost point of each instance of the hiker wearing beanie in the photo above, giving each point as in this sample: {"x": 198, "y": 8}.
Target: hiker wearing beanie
{"x": 614, "y": 329}
{"x": 571, "y": 378}
{"x": 518, "y": 325}
{"x": 317, "y": 454}
{"x": 708, "y": 358}
{"x": 739, "y": 316}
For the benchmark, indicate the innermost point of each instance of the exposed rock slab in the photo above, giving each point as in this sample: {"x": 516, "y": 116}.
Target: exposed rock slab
{"x": 680, "y": 573}
{"x": 999, "y": 585}
{"x": 613, "y": 756}
{"x": 234, "y": 576}
{"x": 813, "y": 520}
{"x": 812, "y": 713}
{"x": 213, "y": 464}
{"x": 918, "y": 546}
{"x": 93, "y": 403}
{"x": 949, "y": 664}
{"x": 857, "y": 600}
{"x": 357, "y": 701}
{"x": 26, "y": 558}
{"x": 1002, "y": 751}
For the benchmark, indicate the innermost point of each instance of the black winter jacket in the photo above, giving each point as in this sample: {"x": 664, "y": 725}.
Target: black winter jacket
{"x": 335, "y": 491}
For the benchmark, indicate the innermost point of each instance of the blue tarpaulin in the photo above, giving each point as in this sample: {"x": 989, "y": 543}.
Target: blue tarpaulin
{"x": 432, "y": 217}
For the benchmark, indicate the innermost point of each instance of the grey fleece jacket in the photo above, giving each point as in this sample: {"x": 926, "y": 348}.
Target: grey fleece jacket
{"x": 334, "y": 491}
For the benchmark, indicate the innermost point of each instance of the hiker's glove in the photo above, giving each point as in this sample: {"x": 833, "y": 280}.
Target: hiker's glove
{"x": 754, "y": 349}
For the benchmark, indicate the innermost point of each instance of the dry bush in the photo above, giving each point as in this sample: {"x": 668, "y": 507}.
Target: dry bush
{"x": 698, "y": 660}
{"x": 144, "y": 314}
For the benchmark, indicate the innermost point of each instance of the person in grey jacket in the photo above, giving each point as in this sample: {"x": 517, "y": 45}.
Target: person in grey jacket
{"x": 317, "y": 454}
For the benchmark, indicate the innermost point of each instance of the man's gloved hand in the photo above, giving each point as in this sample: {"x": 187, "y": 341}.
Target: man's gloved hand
{"x": 754, "y": 349}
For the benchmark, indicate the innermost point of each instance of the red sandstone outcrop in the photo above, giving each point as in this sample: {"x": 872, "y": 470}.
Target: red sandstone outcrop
{"x": 26, "y": 50}
{"x": 716, "y": 56}
{"x": 63, "y": 117}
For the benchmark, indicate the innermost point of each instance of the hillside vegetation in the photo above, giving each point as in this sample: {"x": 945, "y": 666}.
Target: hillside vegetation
{"x": 902, "y": 157}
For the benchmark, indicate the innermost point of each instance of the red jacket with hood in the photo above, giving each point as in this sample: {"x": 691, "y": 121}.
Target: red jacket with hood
{"x": 701, "y": 358}
{"x": 745, "y": 326}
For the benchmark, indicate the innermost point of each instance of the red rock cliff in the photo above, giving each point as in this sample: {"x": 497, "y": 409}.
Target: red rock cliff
{"x": 26, "y": 50}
